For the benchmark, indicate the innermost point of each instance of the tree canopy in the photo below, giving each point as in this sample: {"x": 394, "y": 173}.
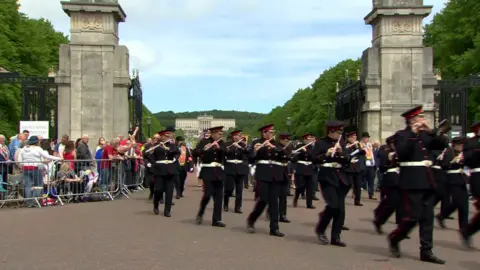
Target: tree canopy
{"x": 454, "y": 34}
{"x": 308, "y": 107}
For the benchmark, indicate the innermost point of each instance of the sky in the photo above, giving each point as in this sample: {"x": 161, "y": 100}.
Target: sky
{"x": 244, "y": 55}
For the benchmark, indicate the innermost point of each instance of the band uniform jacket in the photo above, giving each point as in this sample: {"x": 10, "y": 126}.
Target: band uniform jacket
{"x": 147, "y": 157}
{"x": 357, "y": 159}
{"x": 471, "y": 158}
{"x": 284, "y": 157}
{"x": 267, "y": 168}
{"x": 303, "y": 160}
{"x": 330, "y": 170}
{"x": 455, "y": 175}
{"x": 236, "y": 159}
{"x": 414, "y": 155}
{"x": 164, "y": 162}
{"x": 212, "y": 160}
{"x": 389, "y": 168}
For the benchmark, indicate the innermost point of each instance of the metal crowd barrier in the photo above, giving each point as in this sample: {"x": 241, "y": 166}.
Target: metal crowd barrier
{"x": 39, "y": 184}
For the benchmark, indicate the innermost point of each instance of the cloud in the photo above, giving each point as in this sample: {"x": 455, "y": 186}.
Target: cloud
{"x": 250, "y": 45}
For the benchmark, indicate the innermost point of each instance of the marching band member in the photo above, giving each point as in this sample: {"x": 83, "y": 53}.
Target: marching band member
{"x": 164, "y": 157}
{"x": 440, "y": 177}
{"x": 413, "y": 146}
{"x": 211, "y": 152}
{"x": 452, "y": 163}
{"x": 304, "y": 169}
{"x": 236, "y": 170}
{"x": 388, "y": 165}
{"x": 268, "y": 174}
{"x": 284, "y": 158}
{"x": 332, "y": 156}
{"x": 370, "y": 166}
{"x": 471, "y": 153}
{"x": 149, "y": 176}
{"x": 355, "y": 170}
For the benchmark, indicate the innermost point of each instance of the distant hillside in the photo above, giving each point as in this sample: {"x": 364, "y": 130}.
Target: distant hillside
{"x": 244, "y": 120}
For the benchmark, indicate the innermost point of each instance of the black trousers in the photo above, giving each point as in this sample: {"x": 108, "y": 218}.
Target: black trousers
{"x": 356, "y": 180}
{"x": 164, "y": 184}
{"x": 234, "y": 182}
{"x": 418, "y": 209}
{"x": 268, "y": 194}
{"x": 282, "y": 197}
{"x": 474, "y": 225}
{"x": 304, "y": 183}
{"x": 460, "y": 202}
{"x": 148, "y": 181}
{"x": 334, "y": 210}
{"x": 212, "y": 188}
{"x": 180, "y": 183}
{"x": 388, "y": 205}
{"x": 443, "y": 197}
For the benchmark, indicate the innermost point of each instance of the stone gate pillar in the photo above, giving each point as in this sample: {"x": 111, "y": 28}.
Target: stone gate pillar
{"x": 397, "y": 69}
{"x": 93, "y": 75}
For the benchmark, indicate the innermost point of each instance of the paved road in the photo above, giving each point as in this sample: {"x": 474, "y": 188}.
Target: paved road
{"x": 124, "y": 234}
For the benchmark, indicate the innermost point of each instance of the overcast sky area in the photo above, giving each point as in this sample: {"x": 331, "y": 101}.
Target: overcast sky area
{"x": 245, "y": 55}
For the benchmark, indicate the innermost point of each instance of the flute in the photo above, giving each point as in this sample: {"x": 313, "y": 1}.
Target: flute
{"x": 303, "y": 147}
{"x": 337, "y": 145}
{"x": 236, "y": 143}
{"x": 212, "y": 144}
{"x": 442, "y": 155}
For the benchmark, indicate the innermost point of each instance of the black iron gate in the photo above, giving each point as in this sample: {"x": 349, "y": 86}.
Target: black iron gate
{"x": 39, "y": 98}
{"x": 451, "y": 101}
{"x": 136, "y": 106}
{"x": 349, "y": 101}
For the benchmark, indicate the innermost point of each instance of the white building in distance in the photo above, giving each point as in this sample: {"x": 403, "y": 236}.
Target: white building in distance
{"x": 193, "y": 126}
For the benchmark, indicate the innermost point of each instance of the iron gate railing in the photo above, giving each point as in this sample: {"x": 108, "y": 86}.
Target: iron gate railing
{"x": 136, "y": 100}
{"x": 349, "y": 101}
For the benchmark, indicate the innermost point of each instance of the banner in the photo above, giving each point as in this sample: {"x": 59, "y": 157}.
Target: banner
{"x": 36, "y": 128}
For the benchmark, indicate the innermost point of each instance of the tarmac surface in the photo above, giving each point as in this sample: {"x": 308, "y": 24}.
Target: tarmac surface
{"x": 125, "y": 234}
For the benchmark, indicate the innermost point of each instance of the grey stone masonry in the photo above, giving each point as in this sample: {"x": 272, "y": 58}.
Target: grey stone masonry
{"x": 397, "y": 69}
{"x": 93, "y": 77}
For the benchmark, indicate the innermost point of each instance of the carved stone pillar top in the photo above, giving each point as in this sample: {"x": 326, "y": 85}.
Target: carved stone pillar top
{"x": 397, "y": 8}
{"x": 101, "y": 6}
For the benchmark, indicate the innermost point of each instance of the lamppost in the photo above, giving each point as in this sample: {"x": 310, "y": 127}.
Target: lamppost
{"x": 330, "y": 114}
{"x": 149, "y": 124}
{"x": 289, "y": 123}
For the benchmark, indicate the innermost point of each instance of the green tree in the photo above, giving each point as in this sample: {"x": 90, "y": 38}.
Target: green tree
{"x": 180, "y": 132}
{"x": 306, "y": 108}
{"x": 454, "y": 34}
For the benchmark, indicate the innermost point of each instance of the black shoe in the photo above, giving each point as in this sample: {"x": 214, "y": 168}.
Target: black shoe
{"x": 323, "y": 239}
{"x": 277, "y": 233}
{"x": 315, "y": 199}
{"x": 181, "y": 195}
{"x": 284, "y": 219}
{"x": 250, "y": 227}
{"x": 466, "y": 241}
{"x": 218, "y": 224}
{"x": 238, "y": 211}
{"x": 173, "y": 203}
{"x": 177, "y": 197}
{"x": 155, "y": 210}
{"x": 378, "y": 227}
{"x": 167, "y": 214}
{"x": 450, "y": 218}
{"x": 427, "y": 256}
{"x": 303, "y": 197}
{"x": 407, "y": 237}
{"x": 311, "y": 207}
{"x": 358, "y": 204}
{"x": 345, "y": 228}
{"x": 289, "y": 194}
{"x": 150, "y": 196}
{"x": 338, "y": 243}
{"x": 199, "y": 220}
{"x": 225, "y": 208}
{"x": 394, "y": 248}
{"x": 295, "y": 202}
{"x": 440, "y": 221}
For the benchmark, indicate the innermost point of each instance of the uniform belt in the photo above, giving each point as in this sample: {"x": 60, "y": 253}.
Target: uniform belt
{"x": 269, "y": 162}
{"x": 423, "y": 163}
{"x": 331, "y": 165}
{"x": 436, "y": 167}
{"x": 235, "y": 161}
{"x": 165, "y": 161}
{"x": 305, "y": 162}
{"x": 212, "y": 165}
{"x": 395, "y": 170}
{"x": 455, "y": 171}
{"x": 474, "y": 170}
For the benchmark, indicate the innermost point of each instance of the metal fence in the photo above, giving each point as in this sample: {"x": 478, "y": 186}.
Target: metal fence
{"x": 39, "y": 184}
